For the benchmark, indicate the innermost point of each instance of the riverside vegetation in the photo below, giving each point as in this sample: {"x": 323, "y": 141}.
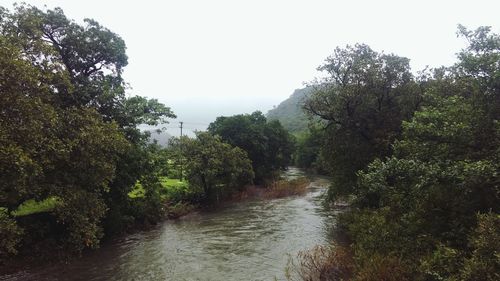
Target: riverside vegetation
{"x": 75, "y": 168}
{"x": 416, "y": 157}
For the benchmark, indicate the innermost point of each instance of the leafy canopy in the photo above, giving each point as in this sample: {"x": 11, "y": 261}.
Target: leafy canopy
{"x": 268, "y": 144}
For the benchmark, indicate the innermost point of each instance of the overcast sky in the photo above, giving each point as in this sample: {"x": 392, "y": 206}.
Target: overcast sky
{"x": 209, "y": 58}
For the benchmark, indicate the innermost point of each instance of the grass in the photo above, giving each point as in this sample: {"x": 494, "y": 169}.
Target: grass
{"x": 31, "y": 206}
{"x": 171, "y": 187}
{"x": 173, "y": 183}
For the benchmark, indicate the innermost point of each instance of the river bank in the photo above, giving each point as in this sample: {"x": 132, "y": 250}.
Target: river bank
{"x": 249, "y": 240}
{"x": 293, "y": 182}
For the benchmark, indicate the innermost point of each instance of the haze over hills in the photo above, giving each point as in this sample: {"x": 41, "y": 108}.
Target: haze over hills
{"x": 197, "y": 113}
{"x": 160, "y": 137}
{"x": 289, "y": 112}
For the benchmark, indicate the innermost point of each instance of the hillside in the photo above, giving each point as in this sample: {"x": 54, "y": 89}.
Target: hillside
{"x": 289, "y": 112}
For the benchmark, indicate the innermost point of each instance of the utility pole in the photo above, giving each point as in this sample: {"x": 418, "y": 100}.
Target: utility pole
{"x": 180, "y": 160}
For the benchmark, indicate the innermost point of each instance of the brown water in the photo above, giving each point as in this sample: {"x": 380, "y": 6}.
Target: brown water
{"x": 243, "y": 241}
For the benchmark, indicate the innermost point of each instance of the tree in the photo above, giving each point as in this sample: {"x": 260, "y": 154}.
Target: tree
{"x": 308, "y": 152}
{"x": 434, "y": 202}
{"x": 67, "y": 130}
{"x": 268, "y": 144}
{"x": 51, "y": 151}
{"x": 363, "y": 101}
{"x": 433, "y": 186}
{"x": 92, "y": 58}
{"x": 214, "y": 166}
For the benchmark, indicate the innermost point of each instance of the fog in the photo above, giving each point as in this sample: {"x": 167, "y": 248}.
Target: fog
{"x": 210, "y": 58}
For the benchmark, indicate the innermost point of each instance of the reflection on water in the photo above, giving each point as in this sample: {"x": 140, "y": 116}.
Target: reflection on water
{"x": 244, "y": 241}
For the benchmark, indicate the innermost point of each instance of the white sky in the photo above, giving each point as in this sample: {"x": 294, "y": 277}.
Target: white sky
{"x": 209, "y": 58}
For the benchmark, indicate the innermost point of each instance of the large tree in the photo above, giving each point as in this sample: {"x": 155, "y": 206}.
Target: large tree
{"x": 217, "y": 168}
{"x": 362, "y": 101}
{"x": 47, "y": 151}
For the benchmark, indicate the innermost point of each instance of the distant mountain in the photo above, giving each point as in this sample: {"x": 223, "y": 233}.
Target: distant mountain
{"x": 289, "y": 112}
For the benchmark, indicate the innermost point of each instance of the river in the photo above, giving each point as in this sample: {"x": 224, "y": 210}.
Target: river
{"x": 249, "y": 240}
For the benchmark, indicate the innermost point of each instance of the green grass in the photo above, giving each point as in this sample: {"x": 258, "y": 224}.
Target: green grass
{"x": 171, "y": 188}
{"x": 174, "y": 189}
{"x": 31, "y": 206}
{"x": 173, "y": 183}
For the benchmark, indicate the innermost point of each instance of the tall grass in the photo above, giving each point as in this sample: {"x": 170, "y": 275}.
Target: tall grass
{"x": 338, "y": 263}
{"x": 283, "y": 188}
{"x": 321, "y": 263}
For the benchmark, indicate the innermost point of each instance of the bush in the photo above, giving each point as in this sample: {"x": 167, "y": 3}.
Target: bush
{"x": 484, "y": 264}
{"x": 321, "y": 263}
{"x": 441, "y": 264}
{"x": 10, "y": 234}
{"x": 382, "y": 268}
{"x": 80, "y": 214}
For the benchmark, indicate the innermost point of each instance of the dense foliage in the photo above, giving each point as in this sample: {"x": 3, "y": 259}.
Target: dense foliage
{"x": 69, "y": 143}
{"x": 419, "y": 159}
{"x": 215, "y": 167}
{"x": 363, "y": 102}
{"x": 268, "y": 145}
{"x": 309, "y": 152}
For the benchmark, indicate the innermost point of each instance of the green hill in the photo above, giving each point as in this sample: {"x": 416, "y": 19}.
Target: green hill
{"x": 289, "y": 112}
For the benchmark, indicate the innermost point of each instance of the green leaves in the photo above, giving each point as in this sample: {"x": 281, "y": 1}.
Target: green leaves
{"x": 268, "y": 144}
{"x": 363, "y": 101}
{"x": 140, "y": 110}
{"x": 66, "y": 126}
{"x": 424, "y": 178}
{"x": 10, "y": 234}
{"x": 214, "y": 166}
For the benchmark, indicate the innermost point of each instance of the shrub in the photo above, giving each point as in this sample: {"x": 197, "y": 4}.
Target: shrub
{"x": 283, "y": 188}
{"x": 484, "y": 264}
{"x": 383, "y": 268}
{"x": 321, "y": 263}
{"x": 10, "y": 234}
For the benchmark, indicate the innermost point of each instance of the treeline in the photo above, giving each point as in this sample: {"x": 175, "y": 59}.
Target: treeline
{"x": 418, "y": 159}
{"x": 234, "y": 152}
{"x": 74, "y": 166}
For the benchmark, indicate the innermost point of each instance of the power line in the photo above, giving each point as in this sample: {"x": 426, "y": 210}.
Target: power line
{"x": 189, "y": 122}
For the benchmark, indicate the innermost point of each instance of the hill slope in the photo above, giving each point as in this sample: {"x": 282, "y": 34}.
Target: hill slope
{"x": 289, "y": 112}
